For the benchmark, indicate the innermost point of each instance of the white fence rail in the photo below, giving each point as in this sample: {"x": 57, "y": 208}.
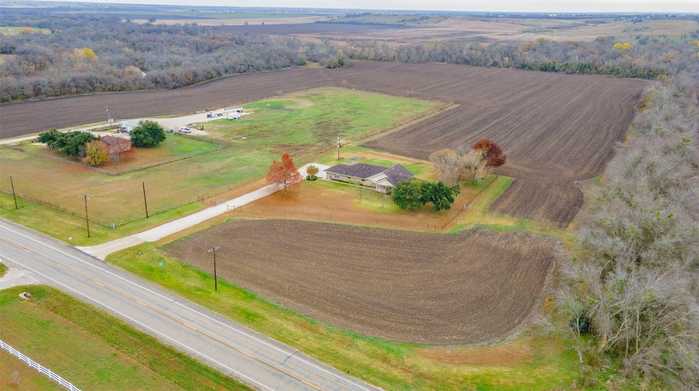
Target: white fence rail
{"x": 42, "y": 369}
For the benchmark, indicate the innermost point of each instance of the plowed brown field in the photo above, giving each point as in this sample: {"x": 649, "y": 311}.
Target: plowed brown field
{"x": 555, "y": 128}
{"x": 400, "y": 285}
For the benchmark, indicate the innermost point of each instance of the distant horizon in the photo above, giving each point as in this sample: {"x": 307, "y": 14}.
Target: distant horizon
{"x": 504, "y": 6}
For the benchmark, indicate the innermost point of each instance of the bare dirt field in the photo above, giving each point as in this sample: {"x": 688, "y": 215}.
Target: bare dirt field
{"x": 555, "y": 128}
{"x": 496, "y": 29}
{"x": 238, "y": 21}
{"x": 400, "y": 285}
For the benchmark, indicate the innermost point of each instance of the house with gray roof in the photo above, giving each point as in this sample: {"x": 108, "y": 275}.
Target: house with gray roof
{"x": 380, "y": 178}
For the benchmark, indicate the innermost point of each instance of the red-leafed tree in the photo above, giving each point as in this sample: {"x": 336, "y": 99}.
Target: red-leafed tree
{"x": 284, "y": 172}
{"x": 492, "y": 153}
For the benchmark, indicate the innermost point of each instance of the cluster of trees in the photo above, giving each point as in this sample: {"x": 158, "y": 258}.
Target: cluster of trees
{"x": 94, "y": 152}
{"x": 647, "y": 57}
{"x": 71, "y": 144}
{"x": 415, "y": 194}
{"x": 632, "y": 290}
{"x": 85, "y": 54}
{"x": 467, "y": 164}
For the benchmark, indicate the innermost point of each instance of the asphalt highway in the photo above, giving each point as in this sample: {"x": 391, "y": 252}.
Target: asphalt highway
{"x": 233, "y": 349}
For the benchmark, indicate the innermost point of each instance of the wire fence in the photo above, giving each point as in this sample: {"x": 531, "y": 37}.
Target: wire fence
{"x": 40, "y": 368}
{"x": 106, "y": 206}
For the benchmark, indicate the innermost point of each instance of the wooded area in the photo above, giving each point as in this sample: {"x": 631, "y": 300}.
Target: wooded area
{"x": 75, "y": 54}
{"x": 95, "y": 54}
{"x": 643, "y": 57}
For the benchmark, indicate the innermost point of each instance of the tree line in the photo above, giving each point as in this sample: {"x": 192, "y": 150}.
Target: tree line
{"x": 646, "y": 57}
{"x": 86, "y": 54}
{"x": 101, "y": 54}
{"x": 631, "y": 290}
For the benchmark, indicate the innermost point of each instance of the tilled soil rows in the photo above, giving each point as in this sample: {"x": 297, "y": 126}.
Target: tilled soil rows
{"x": 555, "y": 128}
{"x": 400, "y": 285}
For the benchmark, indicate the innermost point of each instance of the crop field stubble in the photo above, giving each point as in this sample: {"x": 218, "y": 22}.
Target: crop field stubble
{"x": 556, "y": 129}
{"x": 472, "y": 287}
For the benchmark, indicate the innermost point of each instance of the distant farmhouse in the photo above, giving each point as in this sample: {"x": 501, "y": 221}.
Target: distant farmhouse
{"x": 116, "y": 146}
{"x": 381, "y": 179}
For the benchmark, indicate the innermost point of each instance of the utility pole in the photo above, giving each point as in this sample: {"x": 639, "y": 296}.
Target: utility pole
{"x": 213, "y": 250}
{"x": 339, "y": 145}
{"x": 87, "y": 217}
{"x": 145, "y": 199}
{"x": 14, "y": 195}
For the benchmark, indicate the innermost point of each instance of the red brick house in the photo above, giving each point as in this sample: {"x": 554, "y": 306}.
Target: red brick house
{"x": 116, "y": 146}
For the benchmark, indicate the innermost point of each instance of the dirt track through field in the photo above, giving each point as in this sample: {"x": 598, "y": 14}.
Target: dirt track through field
{"x": 427, "y": 288}
{"x": 556, "y": 129}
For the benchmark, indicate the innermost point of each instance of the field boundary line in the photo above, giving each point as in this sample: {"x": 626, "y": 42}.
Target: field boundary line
{"x": 40, "y": 368}
{"x": 446, "y": 107}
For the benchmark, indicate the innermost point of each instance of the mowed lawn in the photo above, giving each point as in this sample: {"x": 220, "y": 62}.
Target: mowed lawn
{"x": 301, "y": 121}
{"x": 240, "y": 151}
{"x": 92, "y": 349}
{"x": 16, "y": 375}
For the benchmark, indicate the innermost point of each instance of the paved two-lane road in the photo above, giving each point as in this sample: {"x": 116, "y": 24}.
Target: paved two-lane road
{"x": 231, "y": 348}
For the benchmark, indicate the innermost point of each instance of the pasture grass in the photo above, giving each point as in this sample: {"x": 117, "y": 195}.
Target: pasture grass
{"x": 3, "y": 269}
{"x": 479, "y": 215}
{"x": 94, "y": 350}
{"x": 304, "y": 124}
{"x": 16, "y": 375}
{"x": 175, "y": 147}
{"x": 71, "y": 228}
{"x": 534, "y": 360}
{"x": 314, "y": 118}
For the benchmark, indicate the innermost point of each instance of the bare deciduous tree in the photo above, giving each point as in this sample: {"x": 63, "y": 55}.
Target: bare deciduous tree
{"x": 634, "y": 280}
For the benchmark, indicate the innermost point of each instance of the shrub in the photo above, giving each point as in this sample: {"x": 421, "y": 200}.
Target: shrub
{"x": 96, "y": 153}
{"x": 312, "y": 172}
{"x": 439, "y": 195}
{"x": 416, "y": 194}
{"x": 147, "y": 134}
{"x": 408, "y": 195}
{"x": 49, "y": 137}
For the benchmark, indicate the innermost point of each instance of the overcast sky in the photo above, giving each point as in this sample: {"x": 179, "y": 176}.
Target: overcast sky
{"x": 460, "y": 5}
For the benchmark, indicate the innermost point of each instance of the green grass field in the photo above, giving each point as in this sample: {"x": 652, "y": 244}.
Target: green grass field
{"x": 314, "y": 118}
{"x": 533, "y": 361}
{"x": 94, "y": 350}
{"x": 16, "y": 375}
{"x": 71, "y": 228}
{"x": 3, "y": 269}
{"x": 303, "y": 123}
